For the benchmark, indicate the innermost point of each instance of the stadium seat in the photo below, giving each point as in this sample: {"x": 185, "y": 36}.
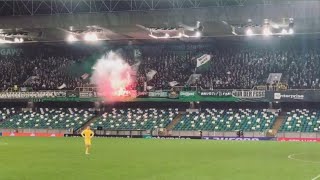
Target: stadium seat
{"x": 46, "y": 118}
{"x": 227, "y": 120}
{"x": 301, "y": 120}
{"x": 135, "y": 119}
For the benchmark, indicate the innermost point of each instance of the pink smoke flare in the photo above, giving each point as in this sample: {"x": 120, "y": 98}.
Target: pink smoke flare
{"x": 114, "y": 78}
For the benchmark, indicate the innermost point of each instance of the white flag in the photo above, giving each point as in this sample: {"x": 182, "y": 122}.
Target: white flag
{"x": 135, "y": 67}
{"x": 193, "y": 78}
{"x": 137, "y": 53}
{"x": 31, "y": 80}
{"x": 151, "y": 74}
{"x": 202, "y": 60}
{"x": 149, "y": 88}
{"x": 85, "y": 76}
{"x": 62, "y": 86}
{"x": 173, "y": 83}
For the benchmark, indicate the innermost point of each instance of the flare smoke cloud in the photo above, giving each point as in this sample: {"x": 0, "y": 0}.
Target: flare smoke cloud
{"x": 114, "y": 78}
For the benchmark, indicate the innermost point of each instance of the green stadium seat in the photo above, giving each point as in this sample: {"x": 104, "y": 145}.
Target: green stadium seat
{"x": 227, "y": 120}
{"x": 135, "y": 119}
{"x": 301, "y": 120}
{"x": 46, "y": 118}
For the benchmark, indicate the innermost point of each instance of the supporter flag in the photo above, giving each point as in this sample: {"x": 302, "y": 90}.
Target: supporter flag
{"x": 203, "y": 62}
{"x": 137, "y": 54}
{"x": 31, "y": 80}
{"x": 151, "y": 74}
{"x": 193, "y": 79}
{"x": 173, "y": 83}
{"x": 85, "y": 76}
{"x": 135, "y": 67}
{"x": 149, "y": 88}
{"x": 62, "y": 86}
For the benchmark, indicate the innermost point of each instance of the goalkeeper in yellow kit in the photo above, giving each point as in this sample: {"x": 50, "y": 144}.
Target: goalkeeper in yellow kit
{"x": 87, "y": 134}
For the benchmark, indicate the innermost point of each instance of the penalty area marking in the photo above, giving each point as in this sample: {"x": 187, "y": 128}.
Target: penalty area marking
{"x": 292, "y": 156}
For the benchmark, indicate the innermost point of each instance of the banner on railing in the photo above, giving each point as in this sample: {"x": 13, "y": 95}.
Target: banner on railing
{"x": 294, "y": 95}
{"x": 30, "y": 95}
{"x": 87, "y": 94}
{"x": 72, "y": 94}
{"x": 216, "y": 93}
{"x": 158, "y": 94}
{"x": 243, "y": 94}
{"x": 184, "y": 94}
{"x": 249, "y": 94}
{"x": 221, "y": 95}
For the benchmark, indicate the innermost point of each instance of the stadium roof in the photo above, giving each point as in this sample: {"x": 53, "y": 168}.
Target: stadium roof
{"x": 52, "y": 20}
{"x": 52, "y": 7}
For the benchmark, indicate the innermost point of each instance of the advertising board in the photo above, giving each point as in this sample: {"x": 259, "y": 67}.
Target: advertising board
{"x": 12, "y": 134}
{"x": 237, "y": 138}
{"x": 299, "y": 139}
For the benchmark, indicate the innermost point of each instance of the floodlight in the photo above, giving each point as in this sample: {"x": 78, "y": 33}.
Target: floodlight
{"x": 90, "y": 36}
{"x": 291, "y": 31}
{"x": 71, "y": 38}
{"x": 249, "y": 32}
{"x": 198, "y": 34}
{"x": 267, "y": 31}
{"x": 284, "y": 31}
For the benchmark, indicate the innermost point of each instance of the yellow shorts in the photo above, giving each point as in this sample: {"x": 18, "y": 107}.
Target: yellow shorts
{"x": 87, "y": 142}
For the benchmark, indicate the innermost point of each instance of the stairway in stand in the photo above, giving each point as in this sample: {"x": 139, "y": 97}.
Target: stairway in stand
{"x": 276, "y": 126}
{"x": 175, "y": 121}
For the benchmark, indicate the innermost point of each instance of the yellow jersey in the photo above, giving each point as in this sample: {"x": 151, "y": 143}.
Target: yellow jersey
{"x": 87, "y": 134}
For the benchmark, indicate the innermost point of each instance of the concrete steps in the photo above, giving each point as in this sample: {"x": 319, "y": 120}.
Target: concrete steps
{"x": 175, "y": 121}
{"x": 276, "y": 126}
{"x": 87, "y": 123}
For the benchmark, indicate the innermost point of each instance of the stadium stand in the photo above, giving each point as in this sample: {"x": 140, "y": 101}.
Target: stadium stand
{"x": 135, "y": 119}
{"x": 45, "y": 118}
{"x": 231, "y": 67}
{"x": 227, "y": 120}
{"x": 301, "y": 120}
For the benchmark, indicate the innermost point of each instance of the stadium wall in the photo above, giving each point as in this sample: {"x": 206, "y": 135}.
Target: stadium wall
{"x": 298, "y": 135}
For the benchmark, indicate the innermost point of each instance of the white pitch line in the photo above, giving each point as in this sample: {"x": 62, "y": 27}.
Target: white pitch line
{"x": 291, "y": 156}
{"x": 316, "y": 177}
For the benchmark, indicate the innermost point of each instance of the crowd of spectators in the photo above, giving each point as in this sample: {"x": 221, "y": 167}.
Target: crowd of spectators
{"x": 238, "y": 67}
{"x": 230, "y": 67}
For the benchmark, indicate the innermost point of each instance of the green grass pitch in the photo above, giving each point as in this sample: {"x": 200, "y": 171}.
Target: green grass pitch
{"x": 152, "y": 159}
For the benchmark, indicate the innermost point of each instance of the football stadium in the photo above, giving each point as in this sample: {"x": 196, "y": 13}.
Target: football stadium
{"x": 159, "y": 89}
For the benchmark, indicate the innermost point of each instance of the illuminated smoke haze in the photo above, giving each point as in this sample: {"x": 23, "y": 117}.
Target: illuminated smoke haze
{"x": 114, "y": 78}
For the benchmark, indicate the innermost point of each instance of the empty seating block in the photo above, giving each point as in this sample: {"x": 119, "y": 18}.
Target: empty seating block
{"x": 301, "y": 120}
{"x": 45, "y": 118}
{"x": 227, "y": 120}
{"x": 6, "y": 112}
{"x": 135, "y": 119}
